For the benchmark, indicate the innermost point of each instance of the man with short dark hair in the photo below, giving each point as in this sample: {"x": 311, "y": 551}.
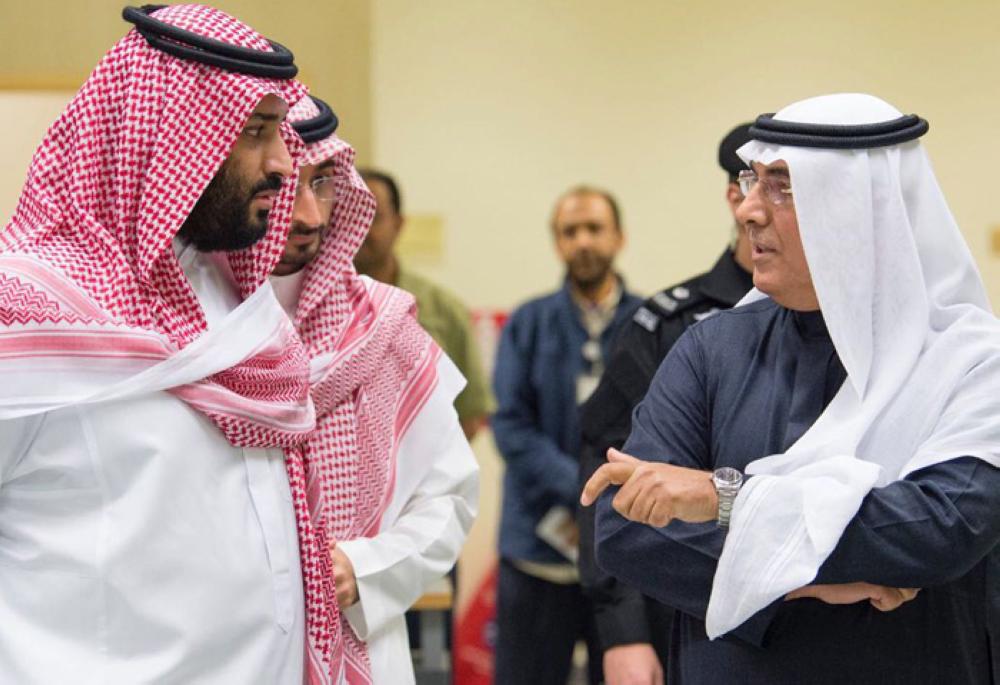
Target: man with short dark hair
{"x": 856, "y": 385}
{"x": 551, "y": 356}
{"x": 151, "y": 378}
{"x": 635, "y": 630}
{"x": 439, "y": 311}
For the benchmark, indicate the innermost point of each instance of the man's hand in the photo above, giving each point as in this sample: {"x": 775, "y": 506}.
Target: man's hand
{"x": 879, "y": 596}
{"x": 343, "y": 577}
{"x": 635, "y": 664}
{"x": 654, "y": 493}
{"x": 471, "y": 426}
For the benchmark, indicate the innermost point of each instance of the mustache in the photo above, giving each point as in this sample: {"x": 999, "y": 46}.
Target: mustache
{"x": 270, "y": 182}
{"x": 299, "y": 227}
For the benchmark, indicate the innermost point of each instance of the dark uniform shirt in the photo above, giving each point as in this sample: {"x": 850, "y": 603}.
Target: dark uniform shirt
{"x": 623, "y": 614}
{"x": 748, "y": 383}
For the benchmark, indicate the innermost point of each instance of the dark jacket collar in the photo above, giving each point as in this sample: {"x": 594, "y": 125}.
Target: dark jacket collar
{"x": 727, "y": 281}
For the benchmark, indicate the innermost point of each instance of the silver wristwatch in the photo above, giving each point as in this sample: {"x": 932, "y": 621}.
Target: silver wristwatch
{"x": 727, "y": 482}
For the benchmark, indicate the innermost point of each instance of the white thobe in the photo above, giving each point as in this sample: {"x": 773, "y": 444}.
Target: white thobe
{"x": 138, "y": 546}
{"x": 422, "y": 531}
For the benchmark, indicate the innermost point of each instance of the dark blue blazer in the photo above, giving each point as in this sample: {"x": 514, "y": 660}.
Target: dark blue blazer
{"x": 536, "y": 425}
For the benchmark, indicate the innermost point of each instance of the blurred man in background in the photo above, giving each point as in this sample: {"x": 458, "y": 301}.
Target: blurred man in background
{"x": 551, "y": 357}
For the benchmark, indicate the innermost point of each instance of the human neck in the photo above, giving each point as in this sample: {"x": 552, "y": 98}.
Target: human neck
{"x": 805, "y": 302}
{"x": 287, "y": 270}
{"x": 596, "y": 293}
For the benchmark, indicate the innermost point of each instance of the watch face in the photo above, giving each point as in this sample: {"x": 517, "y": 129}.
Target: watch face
{"x": 727, "y": 477}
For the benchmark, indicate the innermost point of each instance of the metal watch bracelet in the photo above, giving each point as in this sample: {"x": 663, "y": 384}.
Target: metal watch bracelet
{"x": 727, "y": 482}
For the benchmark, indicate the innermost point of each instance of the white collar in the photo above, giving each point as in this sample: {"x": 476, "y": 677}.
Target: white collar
{"x": 288, "y": 289}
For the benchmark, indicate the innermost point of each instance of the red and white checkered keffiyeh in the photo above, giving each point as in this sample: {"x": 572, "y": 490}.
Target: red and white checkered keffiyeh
{"x": 376, "y": 367}
{"x": 91, "y": 292}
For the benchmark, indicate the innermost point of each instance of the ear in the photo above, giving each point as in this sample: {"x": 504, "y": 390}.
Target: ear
{"x": 733, "y": 196}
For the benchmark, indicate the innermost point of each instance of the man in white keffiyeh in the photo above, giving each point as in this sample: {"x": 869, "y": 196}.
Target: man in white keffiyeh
{"x": 151, "y": 380}
{"x": 386, "y": 486}
{"x": 857, "y": 386}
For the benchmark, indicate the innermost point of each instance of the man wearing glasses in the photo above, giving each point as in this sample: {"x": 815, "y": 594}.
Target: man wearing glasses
{"x": 856, "y": 386}
{"x": 389, "y": 480}
{"x": 306, "y": 234}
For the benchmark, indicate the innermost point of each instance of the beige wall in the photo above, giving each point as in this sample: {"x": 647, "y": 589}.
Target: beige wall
{"x": 53, "y": 45}
{"x": 486, "y": 111}
{"x": 29, "y": 114}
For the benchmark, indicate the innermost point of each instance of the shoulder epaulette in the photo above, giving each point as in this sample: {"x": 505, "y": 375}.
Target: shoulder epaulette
{"x": 701, "y": 316}
{"x": 677, "y": 299}
{"x": 666, "y": 304}
{"x": 646, "y": 318}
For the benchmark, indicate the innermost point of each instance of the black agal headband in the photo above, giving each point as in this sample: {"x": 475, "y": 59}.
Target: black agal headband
{"x": 767, "y": 129}
{"x": 175, "y": 41}
{"x": 320, "y": 126}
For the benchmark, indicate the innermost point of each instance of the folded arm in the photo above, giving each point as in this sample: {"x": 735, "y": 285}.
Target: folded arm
{"x": 674, "y": 564}
{"x": 925, "y": 530}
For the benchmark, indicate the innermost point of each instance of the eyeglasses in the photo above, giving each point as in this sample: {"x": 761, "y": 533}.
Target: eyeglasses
{"x": 776, "y": 191}
{"x": 323, "y": 188}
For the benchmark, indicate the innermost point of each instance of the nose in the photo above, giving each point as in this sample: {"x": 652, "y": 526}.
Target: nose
{"x": 306, "y": 209}
{"x": 278, "y": 160}
{"x": 583, "y": 240}
{"x": 753, "y": 210}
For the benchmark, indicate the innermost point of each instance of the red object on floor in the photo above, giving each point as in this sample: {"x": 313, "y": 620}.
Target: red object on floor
{"x": 475, "y": 635}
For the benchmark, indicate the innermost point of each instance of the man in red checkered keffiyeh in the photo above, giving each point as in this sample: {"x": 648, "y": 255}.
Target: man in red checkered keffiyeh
{"x": 388, "y": 477}
{"x": 151, "y": 378}
{"x": 115, "y": 179}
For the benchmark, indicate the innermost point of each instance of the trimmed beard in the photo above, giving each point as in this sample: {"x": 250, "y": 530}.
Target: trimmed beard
{"x": 222, "y": 220}
{"x": 587, "y": 283}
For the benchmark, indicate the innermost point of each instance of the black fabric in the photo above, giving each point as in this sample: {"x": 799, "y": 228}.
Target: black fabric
{"x": 278, "y": 64}
{"x": 538, "y": 625}
{"x": 323, "y": 125}
{"x": 767, "y": 129}
{"x": 623, "y": 614}
{"x": 734, "y": 140}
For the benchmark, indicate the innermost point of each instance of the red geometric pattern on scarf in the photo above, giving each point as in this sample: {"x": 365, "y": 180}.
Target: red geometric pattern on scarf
{"x": 113, "y": 181}
{"x": 22, "y": 303}
{"x": 384, "y": 370}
